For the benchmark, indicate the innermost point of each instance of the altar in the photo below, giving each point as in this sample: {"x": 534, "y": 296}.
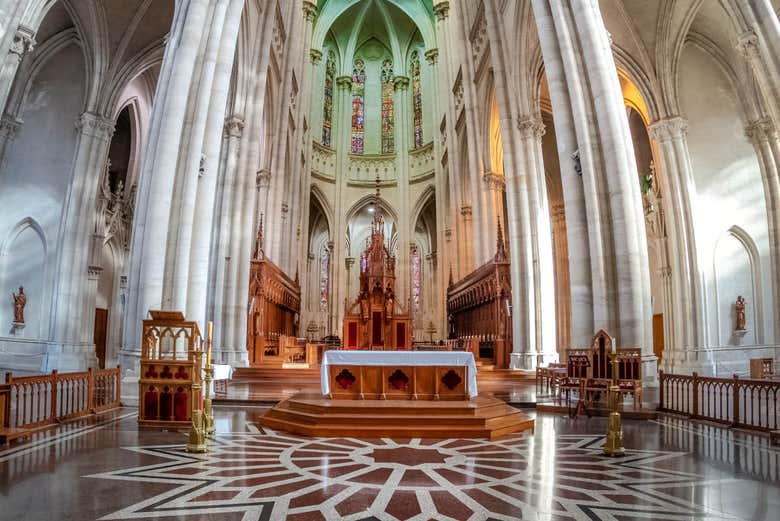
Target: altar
{"x": 399, "y": 375}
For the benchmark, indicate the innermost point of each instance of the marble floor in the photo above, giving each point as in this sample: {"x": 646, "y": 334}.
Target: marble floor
{"x": 104, "y": 468}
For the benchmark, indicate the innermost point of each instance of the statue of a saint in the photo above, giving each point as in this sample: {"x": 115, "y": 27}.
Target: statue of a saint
{"x": 739, "y": 306}
{"x": 389, "y": 300}
{"x": 20, "y": 301}
{"x": 364, "y": 307}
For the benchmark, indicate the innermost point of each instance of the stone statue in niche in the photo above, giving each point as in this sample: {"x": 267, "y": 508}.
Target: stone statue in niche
{"x": 739, "y": 307}
{"x": 389, "y": 300}
{"x": 20, "y": 301}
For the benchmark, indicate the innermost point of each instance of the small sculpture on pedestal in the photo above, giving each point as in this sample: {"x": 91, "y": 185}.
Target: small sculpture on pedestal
{"x": 20, "y": 301}
{"x": 739, "y": 307}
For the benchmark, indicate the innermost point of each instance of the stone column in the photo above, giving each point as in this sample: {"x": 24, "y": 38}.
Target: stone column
{"x": 223, "y": 335}
{"x": 23, "y": 43}
{"x": 608, "y": 257}
{"x": 203, "y": 218}
{"x": 343, "y": 128}
{"x": 760, "y": 44}
{"x": 533, "y": 305}
{"x": 563, "y": 310}
{"x": 764, "y": 137}
{"x": 685, "y": 315}
{"x": 95, "y": 133}
{"x": 348, "y": 263}
{"x": 403, "y": 130}
{"x": 158, "y": 170}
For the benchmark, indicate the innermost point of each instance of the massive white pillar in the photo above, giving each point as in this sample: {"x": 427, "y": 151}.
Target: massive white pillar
{"x": 607, "y": 242}
{"x": 685, "y": 314}
{"x": 403, "y": 126}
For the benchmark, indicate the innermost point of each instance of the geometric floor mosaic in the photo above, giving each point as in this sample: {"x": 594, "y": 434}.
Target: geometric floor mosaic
{"x": 270, "y": 475}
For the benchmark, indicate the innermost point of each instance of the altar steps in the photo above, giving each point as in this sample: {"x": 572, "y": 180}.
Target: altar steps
{"x": 312, "y": 415}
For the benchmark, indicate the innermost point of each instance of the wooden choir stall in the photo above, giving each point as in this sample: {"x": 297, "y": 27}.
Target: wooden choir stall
{"x": 478, "y": 310}
{"x": 274, "y": 307}
{"x": 170, "y": 380}
{"x": 376, "y": 320}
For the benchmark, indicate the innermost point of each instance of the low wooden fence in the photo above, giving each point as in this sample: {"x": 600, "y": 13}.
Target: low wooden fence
{"x": 40, "y": 400}
{"x": 749, "y": 404}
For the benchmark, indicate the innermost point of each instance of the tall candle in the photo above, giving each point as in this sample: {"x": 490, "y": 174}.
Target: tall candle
{"x": 208, "y": 344}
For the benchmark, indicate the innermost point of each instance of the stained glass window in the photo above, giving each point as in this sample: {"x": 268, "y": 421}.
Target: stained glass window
{"x": 358, "y": 106}
{"x": 324, "y": 278}
{"x": 327, "y": 116}
{"x": 388, "y": 141}
{"x": 416, "y": 281}
{"x": 417, "y": 99}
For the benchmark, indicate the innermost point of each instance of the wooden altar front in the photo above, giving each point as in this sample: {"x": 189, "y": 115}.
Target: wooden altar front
{"x": 171, "y": 367}
{"x": 376, "y": 320}
{"x": 478, "y": 309}
{"x": 274, "y": 307}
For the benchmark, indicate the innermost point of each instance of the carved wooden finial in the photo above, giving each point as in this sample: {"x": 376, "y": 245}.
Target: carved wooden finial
{"x": 501, "y": 255}
{"x": 259, "y": 252}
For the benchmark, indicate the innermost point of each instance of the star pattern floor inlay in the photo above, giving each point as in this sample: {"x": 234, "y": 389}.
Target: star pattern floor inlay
{"x": 272, "y": 475}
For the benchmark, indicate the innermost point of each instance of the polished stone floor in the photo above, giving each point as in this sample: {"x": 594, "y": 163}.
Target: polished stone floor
{"x": 104, "y": 468}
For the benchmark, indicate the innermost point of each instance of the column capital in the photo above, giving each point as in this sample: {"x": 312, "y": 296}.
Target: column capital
{"x": 315, "y": 55}
{"x": 24, "y": 41}
{"x": 95, "y": 125}
{"x": 747, "y": 45}
{"x": 263, "y": 178}
{"x": 10, "y": 126}
{"x": 309, "y": 10}
{"x": 401, "y": 82}
{"x": 123, "y": 282}
{"x": 465, "y": 211}
{"x": 432, "y": 55}
{"x": 234, "y": 126}
{"x": 441, "y": 10}
{"x": 494, "y": 181}
{"x": 349, "y": 262}
{"x": 344, "y": 82}
{"x": 531, "y": 127}
{"x": 760, "y": 131}
{"x": 668, "y": 129}
{"x": 93, "y": 272}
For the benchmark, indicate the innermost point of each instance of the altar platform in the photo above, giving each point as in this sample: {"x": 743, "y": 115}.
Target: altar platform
{"x": 312, "y": 414}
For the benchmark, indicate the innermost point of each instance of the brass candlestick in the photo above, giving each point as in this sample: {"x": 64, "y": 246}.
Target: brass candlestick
{"x": 208, "y": 411}
{"x": 197, "y": 435}
{"x": 613, "y": 446}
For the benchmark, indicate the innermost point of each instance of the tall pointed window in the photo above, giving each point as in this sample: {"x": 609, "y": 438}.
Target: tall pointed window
{"x": 417, "y": 99}
{"x": 324, "y": 278}
{"x": 327, "y": 115}
{"x": 358, "y": 106}
{"x": 388, "y": 141}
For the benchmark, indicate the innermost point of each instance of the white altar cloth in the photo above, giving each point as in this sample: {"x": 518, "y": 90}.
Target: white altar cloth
{"x": 409, "y": 358}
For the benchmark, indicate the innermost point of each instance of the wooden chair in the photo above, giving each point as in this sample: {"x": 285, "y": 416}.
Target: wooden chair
{"x": 577, "y": 375}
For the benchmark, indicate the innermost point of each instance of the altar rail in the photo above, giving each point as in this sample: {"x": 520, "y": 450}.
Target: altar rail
{"x": 749, "y": 404}
{"x": 41, "y": 400}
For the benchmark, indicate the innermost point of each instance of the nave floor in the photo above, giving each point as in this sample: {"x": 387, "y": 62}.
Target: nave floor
{"x": 105, "y": 468}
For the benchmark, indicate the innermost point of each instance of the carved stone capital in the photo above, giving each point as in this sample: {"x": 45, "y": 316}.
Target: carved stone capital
{"x": 309, "y": 10}
{"x": 760, "y": 131}
{"x": 263, "y": 178}
{"x": 10, "y": 126}
{"x": 349, "y": 262}
{"x": 234, "y": 126}
{"x": 441, "y": 10}
{"x": 95, "y": 125}
{"x": 668, "y": 129}
{"x": 344, "y": 82}
{"x": 432, "y": 55}
{"x": 285, "y": 209}
{"x": 315, "y": 55}
{"x": 401, "y": 82}
{"x": 93, "y": 272}
{"x": 531, "y": 127}
{"x": 465, "y": 211}
{"x": 747, "y": 45}
{"x": 24, "y": 41}
{"x": 494, "y": 181}
{"x": 448, "y": 234}
{"x": 123, "y": 282}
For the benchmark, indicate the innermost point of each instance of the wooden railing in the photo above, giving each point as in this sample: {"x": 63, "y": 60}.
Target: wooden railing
{"x": 40, "y": 400}
{"x": 750, "y": 404}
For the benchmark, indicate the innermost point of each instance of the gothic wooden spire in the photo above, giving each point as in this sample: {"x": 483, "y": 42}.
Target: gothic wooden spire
{"x": 501, "y": 255}
{"x": 259, "y": 252}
